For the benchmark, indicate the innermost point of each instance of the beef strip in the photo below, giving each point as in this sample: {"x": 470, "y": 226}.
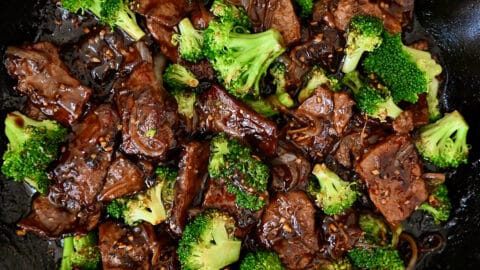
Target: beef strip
{"x": 220, "y": 112}
{"x": 392, "y": 172}
{"x": 82, "y": 168}
{"x": 290, "y": 168}
{"x": 148, "y": 113}
{"x": 190, "y": 182}
{"x": 276, "y": 14}
{"x": 125, "y": 247}
{"x": 403, "y": 124}
{"x": 320, "y": 121}
{"x": 123, "y": 178}
{"x": 45, "y": 79}
{"x": 288, "y": 227}
{"x": 161, "y": 18}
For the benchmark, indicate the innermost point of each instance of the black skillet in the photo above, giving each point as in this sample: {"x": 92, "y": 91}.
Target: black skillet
{"x": 454, "y": 25}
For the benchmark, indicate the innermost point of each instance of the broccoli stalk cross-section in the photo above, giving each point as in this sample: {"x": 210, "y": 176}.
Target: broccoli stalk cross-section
{"x": 208, "y": 242}
{"x": 364, "y": 35}
{"x": 444, "y": 142}
{"x": 32, "y": 146}
{"x": 111, "y": 12}
{"x": 80, "y": 252}
{"x": 332, "y": 194}
{"x": 152, "y": 206}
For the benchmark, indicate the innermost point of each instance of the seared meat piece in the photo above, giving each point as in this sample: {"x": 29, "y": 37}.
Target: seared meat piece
{"x": 403, "y": 124}
{"x": 83, "y": 166}
{"x": 217, "y": 196}
{"x": 290, "y": 168}
{"x": 277, "y": 14}
{"x": 50, "y": 220}
{"x": 123, "y": 178}
{"x": 124, "y": 247}
{"x": 339, "y": 234}
{"x": 320, "y": 121}
{"x": 190, "y": 183}
{"x": 46, "y": 81}
{"x": 392, "y": 172}
{"x": 162, "y": 17}
{"x": 220, "y": 112}
{"x": 167, "y": 257}
{"x": 148, "y": 113}
{"x": 288, "y": 227}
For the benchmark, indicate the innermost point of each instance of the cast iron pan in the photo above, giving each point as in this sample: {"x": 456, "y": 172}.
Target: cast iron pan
{"x": 454, "y": 25}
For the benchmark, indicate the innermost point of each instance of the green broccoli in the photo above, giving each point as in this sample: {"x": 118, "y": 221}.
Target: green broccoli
{"x": 316, "y": 77}
{"x": 426, "y": 63}
{"x": 189, "y": 40}
{"x": 245, "y": 175}
{"x": 227, "y": 12}
{"x": 208, "y": 242}
{"x": 332, "y": 194}
{"x": 261, "y": 106}
{"x": 32, "y": 146}
{"x": 364, "y": 35}
{"x": 186, "y": 102}
{"x": 111, "y": 12}
{"x": 152, "y": 206}
{"x": 261, "y": 260}
{"x": 374, "y": 102}
{"x": 178, "y": 77}
{"x": 376, "y": 258}
{"x": 397, "y": 69}
{"x": 80, "y": 252}
{"x": 339, "y": 264}
{"x": 306, "y": 7}
{"x": 281, "y": 96}
{"x": 241, "y": 59}
{"x": 438, "y": 205}
{"x": 444, "y": 142}
{"x": 375, "y": 229}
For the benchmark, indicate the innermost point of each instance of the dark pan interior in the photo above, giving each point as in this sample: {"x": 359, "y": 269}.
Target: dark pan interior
{"x": 454, "y": 25}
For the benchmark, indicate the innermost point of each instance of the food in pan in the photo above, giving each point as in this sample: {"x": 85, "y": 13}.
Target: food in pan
{"x": 240, "y": 134}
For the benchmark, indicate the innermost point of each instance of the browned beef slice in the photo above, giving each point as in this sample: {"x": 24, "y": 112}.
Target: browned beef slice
{"x": 46, "y": 81}
{"x": 339, "y": 234}
{"x": 82, "y": 168}
{"x": 123, "y": 178}
{"x": 320, "y": 121}
{"x": 403, "y": 124}
{"x": 161, "y": 17}
{"x": 288, "y": 227}
{"x": 392, "y": 171}
{"x": 190, "y": 182}
{"x": 148, "y": 114}
{"x": 50, "y": 220}
{"x": 125, "y": 247}
{"x": 277, "y": 14}
{"x": 290, "y": 168}
{"x": 220, "y": 112}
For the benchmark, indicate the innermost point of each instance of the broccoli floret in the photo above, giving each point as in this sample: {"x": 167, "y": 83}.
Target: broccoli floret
{"x": 111, "y": 12}
{"x": 281, "y": 96}
{"x": 332, "y": 194}
{"x": 374, "y": 102}
{"x": 245, "y": 175}
{"x": 186, "y": 102}
{"x": 306, "y": 7}
{"x": 178, "y": 77}
{"x": 444, "y": 142}
{"x": 376, "y": 258}
{"x": 375, "y": 229}
{"x": 339, "y": 264}
{"x": 32, "y": 146}
{"x": 208, "y": 242}
{"x": 397, "y": 69}
{"x": 152, "y": 206}
{"x": 316, "y": 77}
{"x": 262, "y": 106}
{"x": 189, "y": 40}
{"x": 80, "y": 252}
{"x": 426, "y": 63}
{"x": 261, "y": 260}
{"x": 364, "y": 35}
{"x": 241, "y": 59}
{"x": 226, "y": 12}
{"x": 438, "y": 204}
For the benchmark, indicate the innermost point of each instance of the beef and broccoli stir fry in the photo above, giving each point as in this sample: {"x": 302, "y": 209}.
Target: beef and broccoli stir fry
{"x": 230, "y": 134}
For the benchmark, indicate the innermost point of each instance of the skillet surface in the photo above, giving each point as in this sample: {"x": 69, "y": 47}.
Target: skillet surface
{"x": 454, "y": 25}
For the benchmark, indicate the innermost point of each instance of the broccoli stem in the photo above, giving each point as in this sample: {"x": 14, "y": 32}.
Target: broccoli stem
{"x": 126, "y": 21}
{"x": 66, "y": 254}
